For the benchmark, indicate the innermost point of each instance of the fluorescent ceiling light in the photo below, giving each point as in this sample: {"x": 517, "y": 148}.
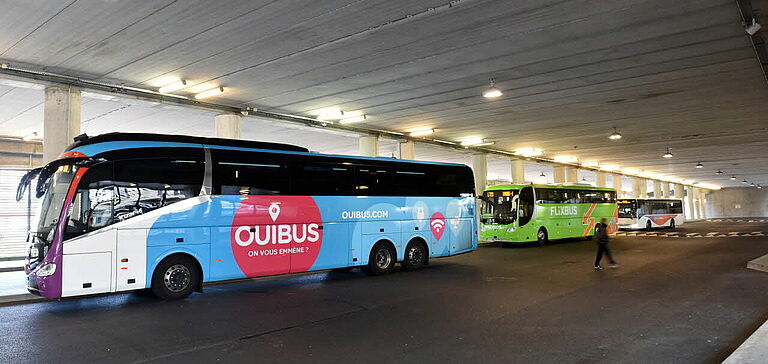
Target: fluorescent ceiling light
{"x": 590, "y": 164}
{"x": 421, "y": 132}
{"x": 566, "y": 159}
{"x": 707, "y": 186}
{"x": 353, "y": 119}
{"x": 483, "y": 144}
{"x": 529, "y": 152}
{"x": 470, "y": 141}
{"x": 173, "y": 86}
{"x": 609, "y": 167}
{"x": 22, "y": 84}
{"x": 97, "y": 96}
{"x": 630, "y": 171}
{"x": 331, "y": 113}
{"x": 209, "y": 93}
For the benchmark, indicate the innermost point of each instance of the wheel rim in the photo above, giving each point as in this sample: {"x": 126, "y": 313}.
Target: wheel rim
{"x": 542, "y": 235}
{"x": 383, "y": 258}
{"x": 177, "y": 278}
{"x": 415, "y": 255}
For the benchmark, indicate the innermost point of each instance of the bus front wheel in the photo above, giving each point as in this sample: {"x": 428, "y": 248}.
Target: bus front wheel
{"x": 542, "y": 236}
{"x": 175, "y": 277}
{"x": 382, "y": 259}
{"x": 648, "y": 225}
{"x": 672, "y": 224}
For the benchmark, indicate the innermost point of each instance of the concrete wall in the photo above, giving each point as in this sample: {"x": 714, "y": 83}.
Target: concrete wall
{"x": 737, "y": 202}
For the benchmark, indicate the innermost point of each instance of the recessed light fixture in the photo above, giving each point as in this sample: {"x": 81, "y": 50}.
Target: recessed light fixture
{"x": 744, "y": 181}
{"x": 209, "y": 93}
{"x": 699, "y": 165}
{"x": 719, "y": 172}
{"x": 353, "y": 119}
{"x": 615, "y": 135}
{"x": 733, "y": 178}
{"x": 29, "y": 137}
{"x": 542, "y": 175}
{"x": 173, "y": 86}
{"x": 492, "y": 92}
{"x": 752, "y": 184}
{"x": 421, "y": 132}
{"x": 668, "y": 154}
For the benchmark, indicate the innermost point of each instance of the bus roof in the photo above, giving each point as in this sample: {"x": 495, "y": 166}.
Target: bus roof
{"x": 92, "y": 146}
{"x": 519, "y": 186}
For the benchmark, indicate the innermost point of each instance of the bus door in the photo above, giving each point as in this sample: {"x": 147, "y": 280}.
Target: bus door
{"x": 525, "y": 206}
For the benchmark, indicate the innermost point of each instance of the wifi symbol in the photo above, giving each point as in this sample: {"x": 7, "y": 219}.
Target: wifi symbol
{"x": 438, "y": 225}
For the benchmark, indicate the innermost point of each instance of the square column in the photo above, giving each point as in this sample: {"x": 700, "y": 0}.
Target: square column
{"x": 407, "y": 150}
{"x": 571, "y": 175}
{"x": 61, "y": 120}
{"x": 559, "y": 174}
{"x": 480, "y": 168}
{"x": 679, "y": 191}
{"x": 665, "y": 192}
{"x": 640, "y": 188}
{"x": 369, "y": 145}
{"x": 600, "y": 178}
{"x": 228, "y": 126}
{"x": 518, "y": 171}
{"x": 656, "y": 189}
{"x": 617, "y": 185}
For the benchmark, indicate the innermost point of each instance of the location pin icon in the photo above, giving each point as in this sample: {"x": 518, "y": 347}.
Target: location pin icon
{"x": 274, "y": 211}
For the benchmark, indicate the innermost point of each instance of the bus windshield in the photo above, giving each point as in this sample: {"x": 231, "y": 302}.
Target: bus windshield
{"x": 627, "y": 208}
{"x": 54, "y": 191}
{"x": 499, "y": 207}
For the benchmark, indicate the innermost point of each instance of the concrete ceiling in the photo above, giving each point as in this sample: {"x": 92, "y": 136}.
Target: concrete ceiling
{"x": 676, "y": 74}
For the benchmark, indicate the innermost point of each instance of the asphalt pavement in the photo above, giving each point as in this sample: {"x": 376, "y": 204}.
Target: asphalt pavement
{"x": 672, "y": 300}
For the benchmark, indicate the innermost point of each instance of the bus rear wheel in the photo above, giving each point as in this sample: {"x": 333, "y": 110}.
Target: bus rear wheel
{"x": 416, "y": 256}
{"x": 382, "y": 259}
{"x": 175, "y": 277}
{"x": 542, "y": 237}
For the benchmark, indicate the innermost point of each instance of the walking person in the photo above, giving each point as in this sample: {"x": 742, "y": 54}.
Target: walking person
{"x": 601, "y": 233}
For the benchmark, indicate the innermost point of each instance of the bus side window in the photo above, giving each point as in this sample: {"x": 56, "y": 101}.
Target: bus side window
{"x": 372, "y": 180}
{"x": 525, "y": 210}
{"x": 246, "y": 173}
{"x": 324, "y": 179}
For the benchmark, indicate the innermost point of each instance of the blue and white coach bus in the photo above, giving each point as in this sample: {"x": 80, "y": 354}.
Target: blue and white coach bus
{"x": 125, "y": 211}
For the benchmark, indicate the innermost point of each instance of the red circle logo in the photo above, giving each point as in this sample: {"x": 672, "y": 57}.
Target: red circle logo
{"x": 276, "y": 234}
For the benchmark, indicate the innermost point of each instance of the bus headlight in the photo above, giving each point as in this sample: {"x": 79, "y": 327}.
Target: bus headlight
{"x": 46, "y": 270}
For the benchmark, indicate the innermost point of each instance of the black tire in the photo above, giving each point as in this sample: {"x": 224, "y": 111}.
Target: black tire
{"x": 506, "y": 244}
{"x": 542, "y": 237}
{"x": 382, "y": 259}
{"x": 648, "y": 226}
{"x": 672, "y": 224}
{"x": 175, "y": 277}
{"x": 416, "y": 256}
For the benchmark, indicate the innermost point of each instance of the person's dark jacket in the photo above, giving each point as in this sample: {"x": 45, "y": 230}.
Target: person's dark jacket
{"x": 601, "y": 232}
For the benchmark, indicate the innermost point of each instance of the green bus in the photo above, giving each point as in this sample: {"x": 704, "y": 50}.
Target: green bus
{"x": 526, "y": 213}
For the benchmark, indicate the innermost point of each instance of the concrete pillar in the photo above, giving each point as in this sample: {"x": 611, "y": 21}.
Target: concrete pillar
{"x": 665, "y": 192}
{"x": 518, "y": 171}
{"x": 407, "y": 150}
{"x": 656, "y": 189}
{"x": 571, "y": 175}
{"x": 369, "y": 145}
{"x": 600, "y": 177}
{"x": 61, "y": 120}
{"x": 559, "y": 174}
{"x": 480, "y": 168}
{"x": 679, "y": 191}
{"x": 699, "y": 203}
{"x": 688, "y": 203}
{"x": 617, "y": 185}
{"x": 228, "y": 126}
{"x": 638, "y": 188}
